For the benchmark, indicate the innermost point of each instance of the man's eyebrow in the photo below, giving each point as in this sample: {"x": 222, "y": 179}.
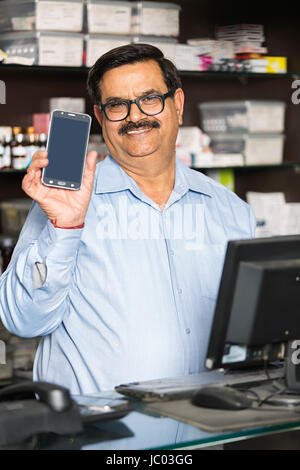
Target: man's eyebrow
{"x": 152, "y": 91}
{"x": 113, "y": 98}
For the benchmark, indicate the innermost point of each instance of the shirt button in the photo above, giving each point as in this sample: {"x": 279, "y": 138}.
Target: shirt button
{"x": 179, "y": 291}
{"x": 187, "y": 331}
{"x": 172, "y": 252}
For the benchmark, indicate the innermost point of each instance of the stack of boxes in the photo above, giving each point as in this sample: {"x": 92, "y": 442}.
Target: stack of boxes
{"x": 235, "y": 48}
{"x": 108, "y": 26}
{"x": 157, "y": 24}
{"x": 112, "y": 24}
{"x": 246, "y": 38}
{"x": 42, "y": 32}
{"x": 244, "y": 132}
{"x": 77, "y": 32}
{"x": 249, "y": 45}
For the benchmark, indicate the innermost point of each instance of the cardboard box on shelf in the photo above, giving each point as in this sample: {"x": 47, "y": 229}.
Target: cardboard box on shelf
{"x": 213, "y": 48}
{"x": 155, "y": 19}
{"x": 98, "y": 44}
{"x": 166, "y": 44}
{"x": 41, "y": 15}
{"x": 43, "y": 48}
{"x": 253, "y": 116}
{"x": 108, "y": 17}
{"x": 41, "y": 122}
{"x": 74, "y": 105}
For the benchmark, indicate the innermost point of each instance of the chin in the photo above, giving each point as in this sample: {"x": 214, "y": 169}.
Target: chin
{"x": 141, "y": 153}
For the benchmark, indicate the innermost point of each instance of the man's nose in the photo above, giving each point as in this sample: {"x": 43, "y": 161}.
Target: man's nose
{"x": 135, "y": 113}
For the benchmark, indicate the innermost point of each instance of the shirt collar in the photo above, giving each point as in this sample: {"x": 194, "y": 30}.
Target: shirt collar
{"x": 112, "y": 178}
{"x": 194, "y": 180}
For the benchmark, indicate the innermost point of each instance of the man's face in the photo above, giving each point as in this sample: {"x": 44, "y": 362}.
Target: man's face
{"x": 139, "y": 136}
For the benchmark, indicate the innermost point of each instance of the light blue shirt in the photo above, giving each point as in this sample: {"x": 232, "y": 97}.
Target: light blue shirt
{"x": 130, "y": 296}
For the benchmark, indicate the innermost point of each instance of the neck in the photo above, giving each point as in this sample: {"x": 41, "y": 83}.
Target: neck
{"x": 155, "y": 180}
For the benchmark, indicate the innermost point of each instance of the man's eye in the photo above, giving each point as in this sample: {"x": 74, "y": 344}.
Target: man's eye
{"x": 116, "y": 104}
{"x": 150, "y": 100}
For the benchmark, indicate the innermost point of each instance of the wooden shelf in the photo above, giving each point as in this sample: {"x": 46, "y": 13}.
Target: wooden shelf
{"x": 185, "y": 73}
{"x": 251, "y": 167}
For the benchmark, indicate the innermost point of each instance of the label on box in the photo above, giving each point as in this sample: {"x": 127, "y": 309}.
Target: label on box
{"x": 18, "y": 151}
{"x": 186, "y": 58}
{"x": 23, "y": 23}
{"x": 14, "y": 59}
{"x": 169, "y": 50}
{"x": 6, "y": 159}
{"x": 1, "y": 155}
{"x": 264, "y": 150}
{"x": 73, "y": 105}
{"x": 266, "y": 118}
{"x": 30, "y": 150}
{"x": 160, "y": 21}
{"x": 276, "y": 65}
{"x": 61, "y": 51}
{"x": 19, "y": 163}
{"x": 59, "y": 16}
{"x": 109, "y": 19}
{"x": 97, "y": 47}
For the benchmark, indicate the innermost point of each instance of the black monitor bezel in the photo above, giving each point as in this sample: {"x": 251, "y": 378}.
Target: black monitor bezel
{"x": 271, "y": 248}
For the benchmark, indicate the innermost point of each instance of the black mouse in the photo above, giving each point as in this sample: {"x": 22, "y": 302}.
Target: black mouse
{"x": 221, "y": 398}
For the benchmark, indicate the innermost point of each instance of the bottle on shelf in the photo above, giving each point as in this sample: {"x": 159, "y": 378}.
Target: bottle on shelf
{"x": 42, "y": 141}
{"x": 6, "y": 156}
{"x": 31, "y": 144}
{"x": 1, "y": 152}
{"x": 7, "y": 244}
{"x": 18, "y": 149}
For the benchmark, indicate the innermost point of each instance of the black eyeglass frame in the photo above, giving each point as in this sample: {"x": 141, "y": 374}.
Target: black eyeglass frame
{"x": 137, "y": 102}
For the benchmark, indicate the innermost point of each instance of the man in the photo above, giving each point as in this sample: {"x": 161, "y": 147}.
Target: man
{"x": 121, "y": 277}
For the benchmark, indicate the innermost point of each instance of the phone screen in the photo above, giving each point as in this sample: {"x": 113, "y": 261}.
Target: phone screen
{"x": 66, "y": 148}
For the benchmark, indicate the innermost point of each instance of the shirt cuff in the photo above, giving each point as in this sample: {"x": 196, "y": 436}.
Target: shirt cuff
{"x": 58, "y": 243}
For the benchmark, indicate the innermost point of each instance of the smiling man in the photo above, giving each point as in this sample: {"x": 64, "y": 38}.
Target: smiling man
{"x": 139, "y": 111}
{"x": 123, "y": 286}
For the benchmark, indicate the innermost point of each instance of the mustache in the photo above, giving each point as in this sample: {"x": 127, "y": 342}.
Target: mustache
{"x": 130, "y": 126}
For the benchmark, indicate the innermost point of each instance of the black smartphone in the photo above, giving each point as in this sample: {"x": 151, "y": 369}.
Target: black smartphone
{"x": 67, "y": 143}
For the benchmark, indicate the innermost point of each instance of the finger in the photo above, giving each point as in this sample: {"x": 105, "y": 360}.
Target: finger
{"x": 40, "y": 154}
{"x": 37, "y": 164}
{"x": 28, "y": 182}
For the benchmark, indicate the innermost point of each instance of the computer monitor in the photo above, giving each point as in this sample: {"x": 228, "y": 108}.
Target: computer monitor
{"x": 257, "y": 311}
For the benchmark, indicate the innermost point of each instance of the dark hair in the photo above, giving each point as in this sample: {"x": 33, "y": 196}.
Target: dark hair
{"x": 130, "y": 54}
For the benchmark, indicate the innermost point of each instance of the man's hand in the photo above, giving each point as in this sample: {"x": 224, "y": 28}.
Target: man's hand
{"x": 64, "y": 206}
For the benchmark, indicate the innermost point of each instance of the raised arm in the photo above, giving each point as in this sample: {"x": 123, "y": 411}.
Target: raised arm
{"x": 34, "y": 288}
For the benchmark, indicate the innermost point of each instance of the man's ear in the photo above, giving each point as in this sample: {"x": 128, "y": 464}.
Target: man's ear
{"x": 179, "y": 104}
{"x": 99, "y": 115}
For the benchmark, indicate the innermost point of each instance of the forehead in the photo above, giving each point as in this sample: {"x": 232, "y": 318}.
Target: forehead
{"x": 132, "y": 79}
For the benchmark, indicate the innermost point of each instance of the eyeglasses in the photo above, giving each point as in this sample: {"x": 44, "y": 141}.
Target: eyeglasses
{"x": 150, "y": 105}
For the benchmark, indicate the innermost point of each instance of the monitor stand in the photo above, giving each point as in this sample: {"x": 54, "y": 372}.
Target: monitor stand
{"x": 284, "y": 392}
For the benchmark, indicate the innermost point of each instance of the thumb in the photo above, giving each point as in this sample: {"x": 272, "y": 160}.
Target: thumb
{"x": 91, "y": 160}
